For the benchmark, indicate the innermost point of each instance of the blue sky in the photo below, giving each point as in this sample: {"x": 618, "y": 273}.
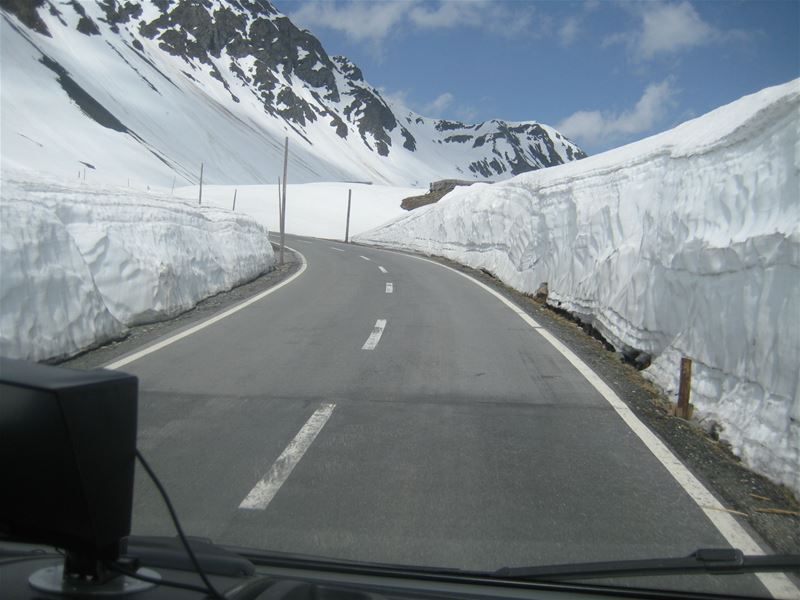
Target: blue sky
{"x": 604, "y": 72}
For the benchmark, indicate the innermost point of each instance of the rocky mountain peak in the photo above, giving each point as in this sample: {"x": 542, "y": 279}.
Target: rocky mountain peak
{"x": 348, "y": 69}
{"x": 252, "y": 50}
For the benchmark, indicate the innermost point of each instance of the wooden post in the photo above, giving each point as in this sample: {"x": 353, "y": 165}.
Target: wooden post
{"x": 234, "y": 199}
{"x": 683, "y": 409}
{"x": 283, "y": 196}
{"x": 200, "y": 198}
{"x": 347, "y": 228}
{"x": 280, "y": 209}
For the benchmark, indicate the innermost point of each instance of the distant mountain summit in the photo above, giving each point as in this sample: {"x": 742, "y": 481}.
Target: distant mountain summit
{"x": 241, "y": 75}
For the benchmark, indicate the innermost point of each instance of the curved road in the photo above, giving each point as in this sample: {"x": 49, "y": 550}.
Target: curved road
{"x": 427, "y": 425}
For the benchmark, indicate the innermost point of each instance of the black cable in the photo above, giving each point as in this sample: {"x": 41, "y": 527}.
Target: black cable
{"x": 210, "y": 587}
{"x": 27, "y": 557}
{"x": 155, "y": 580}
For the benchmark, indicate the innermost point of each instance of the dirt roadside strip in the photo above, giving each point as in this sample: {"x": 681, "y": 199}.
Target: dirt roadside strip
{"x": 763, "y": 507}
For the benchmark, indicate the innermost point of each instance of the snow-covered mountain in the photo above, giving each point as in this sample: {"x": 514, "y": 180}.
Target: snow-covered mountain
{"x": 145, "y": 90}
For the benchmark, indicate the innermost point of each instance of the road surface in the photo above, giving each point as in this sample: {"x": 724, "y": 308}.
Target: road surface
{"x": 382, "y": 408}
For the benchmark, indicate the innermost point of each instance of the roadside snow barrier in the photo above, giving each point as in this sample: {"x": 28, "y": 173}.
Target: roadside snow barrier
{"x": 78, "y": 264}
{"x": 683, "y": 244}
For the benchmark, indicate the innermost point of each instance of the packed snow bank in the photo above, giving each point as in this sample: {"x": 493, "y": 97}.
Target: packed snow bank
{"x": 313, "y": 209}
{"x": 78, "y": 263}
{"x": 683, "y": 244}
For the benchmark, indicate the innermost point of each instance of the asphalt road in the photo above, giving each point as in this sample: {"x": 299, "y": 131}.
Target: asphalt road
{"x": 462, "y": 438}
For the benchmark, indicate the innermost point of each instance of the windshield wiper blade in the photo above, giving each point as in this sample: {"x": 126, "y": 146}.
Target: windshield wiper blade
{"x": 169, "y": 553}
{"x": 709, "y": 560}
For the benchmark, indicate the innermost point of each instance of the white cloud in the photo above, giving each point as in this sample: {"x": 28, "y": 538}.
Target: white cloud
{"x": 593, "y": 127}
{"x": 448, "y": 14}
{"x": 573, "y": 25}
{"x": 568, "y": 32}
{"x": 439, "y": 104}
{"x": 374, "y": 21}
{"x": 397, "y": 98}
{"x": 359, "y": 21}
{"x": 476, "y": 14}
{"x": 669, "y": 28}
{"x": 466, "y": 114}
{"x": 443, "y": 106}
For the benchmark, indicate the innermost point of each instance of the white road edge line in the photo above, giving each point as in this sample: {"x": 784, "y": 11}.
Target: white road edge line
{"x": 778, "y": 584}
{"x": 383, "y": 270}
{"x": 337, "y": 249}
{"x": 389, "y": 288}
{"x": 203, "y": 324}
{"x": 264, "y": 491}
{"x": 364, "y": 257}
{"x": 375, "y": 336}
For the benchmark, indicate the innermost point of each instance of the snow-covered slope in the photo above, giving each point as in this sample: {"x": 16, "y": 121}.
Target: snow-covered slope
{"x": 683, "y": 244}
{"x": 313, "y": 209}
{"x": 147, "y": 90}
{"x": 79, "y": 263}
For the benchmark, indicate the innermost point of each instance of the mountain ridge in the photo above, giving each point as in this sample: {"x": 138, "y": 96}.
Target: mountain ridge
{"x": 249, "y": 63}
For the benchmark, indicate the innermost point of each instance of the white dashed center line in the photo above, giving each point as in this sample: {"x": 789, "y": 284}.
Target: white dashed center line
{"x": 389, "y": 288}
{"x": 264, "y": 491}
{"x": 364, "y": 257}
{"x": 375, "y": 336}
{"x": 383, "y": 270}
{"x": 337, "y": 249}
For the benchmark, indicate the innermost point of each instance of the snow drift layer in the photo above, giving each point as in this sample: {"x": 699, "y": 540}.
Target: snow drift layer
{"x": 683, "y": 244}
{"x": 78, "y": 263}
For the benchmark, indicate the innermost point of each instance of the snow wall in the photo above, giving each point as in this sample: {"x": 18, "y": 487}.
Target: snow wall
{"x": 683, "y": 244}
{"x": 78, "y": 263}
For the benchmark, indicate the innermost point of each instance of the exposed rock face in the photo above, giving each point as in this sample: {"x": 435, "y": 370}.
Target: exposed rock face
{"x": 249, "y": 47}
{"x": 448, "y": 184}
{"x": 438, "y": 190}
{"x": 27, "y": 11}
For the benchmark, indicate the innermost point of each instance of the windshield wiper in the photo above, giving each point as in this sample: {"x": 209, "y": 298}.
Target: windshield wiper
{"x": 169, "y": 553}
{"x": 710, "y": 560}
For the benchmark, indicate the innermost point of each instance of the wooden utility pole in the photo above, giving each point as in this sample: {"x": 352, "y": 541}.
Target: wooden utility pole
{"x": 200, "y": 198}
{"x": 347, "y": 228}
{"x": 683, "y": 410}
{"x": 280, "y": 209}
{"x": 283, "y": 196}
